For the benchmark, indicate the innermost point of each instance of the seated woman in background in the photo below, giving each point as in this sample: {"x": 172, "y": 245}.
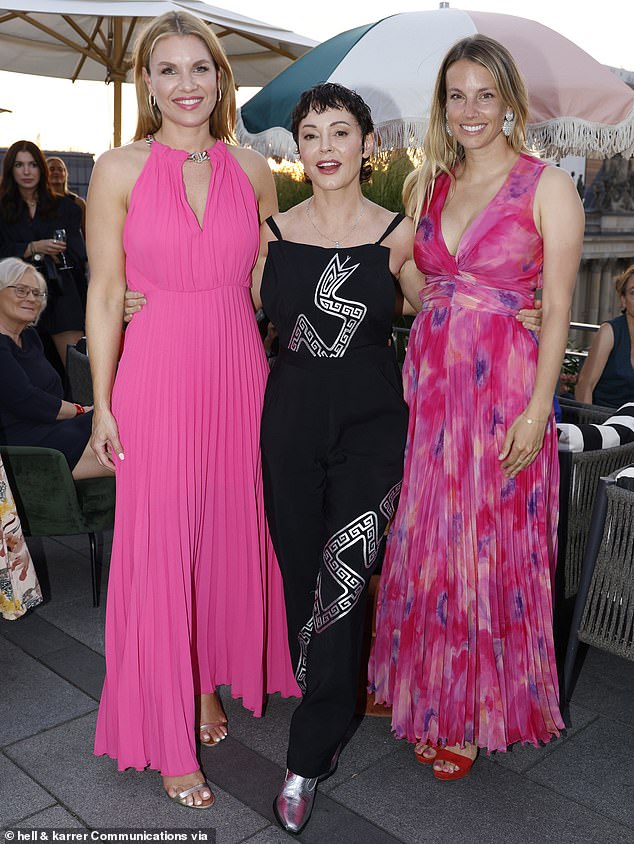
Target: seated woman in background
{"x": 40, "y": 227}
{"x": 607, "y": 376}
{"x": 32, "y": 411}
{"x": 58, "y": 175}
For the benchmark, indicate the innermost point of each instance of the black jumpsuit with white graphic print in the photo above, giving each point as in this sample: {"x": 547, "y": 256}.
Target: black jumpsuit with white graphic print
{"x": 333, "y": 436}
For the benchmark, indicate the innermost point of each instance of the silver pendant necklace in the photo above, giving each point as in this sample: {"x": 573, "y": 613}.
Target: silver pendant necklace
{"x": 198, "y": 157}
{"x": 325, "y": 237}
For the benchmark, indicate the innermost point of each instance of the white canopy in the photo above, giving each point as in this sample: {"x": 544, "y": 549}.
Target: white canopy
{"x": 93, "y": 39}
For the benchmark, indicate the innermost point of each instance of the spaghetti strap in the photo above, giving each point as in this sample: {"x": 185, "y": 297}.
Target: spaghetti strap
{"x": 395, "y": 222}
{"x": 274, "y": 228}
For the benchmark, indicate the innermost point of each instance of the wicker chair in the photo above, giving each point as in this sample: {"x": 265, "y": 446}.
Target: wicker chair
{"x": 580, "y": 473}
{"x": 604, "y": 609}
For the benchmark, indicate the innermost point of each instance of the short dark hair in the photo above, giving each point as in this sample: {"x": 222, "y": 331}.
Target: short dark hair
{"x": 332, "y": 95}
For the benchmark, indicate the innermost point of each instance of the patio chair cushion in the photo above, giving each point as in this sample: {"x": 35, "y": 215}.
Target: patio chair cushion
{"x": 625, "y": 478}
{"x": 614, "y": 431}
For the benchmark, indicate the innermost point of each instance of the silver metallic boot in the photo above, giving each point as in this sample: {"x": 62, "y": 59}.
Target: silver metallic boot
{"x": 294, "y": 804}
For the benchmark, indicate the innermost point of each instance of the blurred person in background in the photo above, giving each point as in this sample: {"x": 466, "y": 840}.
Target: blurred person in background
{"x": 58, "y": 175}
{"x": 32, "y": 408}
{"x": 607, "y": 376}
{"x": 44, "y": 229}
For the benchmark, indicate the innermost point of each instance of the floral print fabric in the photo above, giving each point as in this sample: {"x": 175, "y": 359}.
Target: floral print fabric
{"x": 19, "y": 589}
{"x": 464, "y": 649}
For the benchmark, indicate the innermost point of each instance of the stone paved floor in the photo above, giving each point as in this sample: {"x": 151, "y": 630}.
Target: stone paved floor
{"x": 578, "y": 789}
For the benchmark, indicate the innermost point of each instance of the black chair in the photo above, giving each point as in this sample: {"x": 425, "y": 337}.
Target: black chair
{"x": 51, "y": 503}
{"x": 78, "y": 377}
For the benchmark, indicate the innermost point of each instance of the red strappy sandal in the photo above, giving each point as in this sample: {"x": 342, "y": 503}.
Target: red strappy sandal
{"x": 463, "y": 762}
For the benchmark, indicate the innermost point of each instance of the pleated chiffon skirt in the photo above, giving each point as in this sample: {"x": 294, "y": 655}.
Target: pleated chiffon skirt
{"x": 195, "y": 597}
{"x": 464, "y": 646}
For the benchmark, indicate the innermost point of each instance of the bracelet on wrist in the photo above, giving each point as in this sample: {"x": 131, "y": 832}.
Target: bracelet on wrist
{"x": 529, "y": 420}
{"x": 79, "y": 408}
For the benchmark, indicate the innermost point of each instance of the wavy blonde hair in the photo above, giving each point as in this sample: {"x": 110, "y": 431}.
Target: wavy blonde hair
{"x": 222, "y": 121}
{"x": 441, "y": 152}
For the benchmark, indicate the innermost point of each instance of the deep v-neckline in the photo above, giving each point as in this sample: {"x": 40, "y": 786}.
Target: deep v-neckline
{"x": 477, "y": 217}
{"x": 200, "y": 224}
{"x": 213, "y": 165}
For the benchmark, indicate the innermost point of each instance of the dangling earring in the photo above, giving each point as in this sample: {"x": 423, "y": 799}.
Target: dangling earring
{"x": 219, "y": 97}
{"x": 447, "y": 126}
{"x": 509, "y": 122}
{"x": 152, "y": 101}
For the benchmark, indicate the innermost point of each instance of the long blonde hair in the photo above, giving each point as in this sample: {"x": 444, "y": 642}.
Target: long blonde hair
{"x": 222, "y": 121}
{"x": 441, "y": 152}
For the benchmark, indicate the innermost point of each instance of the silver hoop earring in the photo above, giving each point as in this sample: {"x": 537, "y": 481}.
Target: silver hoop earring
{"x": 219, "y": 97}
{"x": 448, "y": 127}
{"x": 509, "y": 122}
{"x": 152, "y": 101}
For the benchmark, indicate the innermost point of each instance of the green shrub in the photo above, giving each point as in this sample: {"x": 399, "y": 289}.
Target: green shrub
{"x": 385, "y": 187}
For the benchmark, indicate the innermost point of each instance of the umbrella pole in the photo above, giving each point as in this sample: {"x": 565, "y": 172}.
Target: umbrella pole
{"x": 116, "y": 134}
{"x": 118, "y": 40}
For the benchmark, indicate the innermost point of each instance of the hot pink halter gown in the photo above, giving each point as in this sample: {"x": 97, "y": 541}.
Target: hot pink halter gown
{"x": 195, "y": 596}
{"x": 464, "y": 647}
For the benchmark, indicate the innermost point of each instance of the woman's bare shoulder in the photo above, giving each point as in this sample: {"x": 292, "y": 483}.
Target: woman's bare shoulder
{"x": 123, "y": 164}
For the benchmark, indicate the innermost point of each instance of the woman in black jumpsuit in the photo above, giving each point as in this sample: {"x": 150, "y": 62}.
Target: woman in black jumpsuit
{"x": 333, "y": 436}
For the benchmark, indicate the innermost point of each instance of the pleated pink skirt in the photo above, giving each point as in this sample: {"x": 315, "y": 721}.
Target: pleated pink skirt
{"x": 195, "y": 596}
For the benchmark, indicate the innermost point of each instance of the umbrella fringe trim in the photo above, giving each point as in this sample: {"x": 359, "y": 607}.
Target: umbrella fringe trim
{"x": 574, "y": 136}
{"x": 552, "y": 138}
{"x": 276, "y": 142}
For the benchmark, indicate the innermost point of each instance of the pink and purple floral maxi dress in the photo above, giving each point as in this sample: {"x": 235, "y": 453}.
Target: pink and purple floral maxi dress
{"x": 464, "y": 646}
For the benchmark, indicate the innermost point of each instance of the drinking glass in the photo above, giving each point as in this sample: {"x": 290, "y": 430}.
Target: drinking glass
{"x": 59, "y": 236}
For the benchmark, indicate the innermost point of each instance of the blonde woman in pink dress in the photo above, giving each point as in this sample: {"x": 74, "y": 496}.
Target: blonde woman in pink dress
{"x": 195, "y": 597}
{"x": 464, "y": 648}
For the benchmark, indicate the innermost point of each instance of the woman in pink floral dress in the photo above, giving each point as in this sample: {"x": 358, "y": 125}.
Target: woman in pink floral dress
{"x": 464, "y": 648}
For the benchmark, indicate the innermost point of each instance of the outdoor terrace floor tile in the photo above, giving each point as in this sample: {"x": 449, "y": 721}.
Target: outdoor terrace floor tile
{"x": 33, "y": 634}
{"x": 54, "y": 818}
{"x": 255, "y": 781}
{"x": 79, "y": 619}
{"x": 63, "y": 570}
{"x": 19, "y": 795}
{"x": 594, "y": 768}
{"x": 273, "y": 835}
{"x": 33, "y": 697}
{"x": 523, "y": 757}
{"x": 606, "y": 686}
{"x": 82, "y": 667}
{"x": 491, "y": 805}
{"x": 101, "y": 797}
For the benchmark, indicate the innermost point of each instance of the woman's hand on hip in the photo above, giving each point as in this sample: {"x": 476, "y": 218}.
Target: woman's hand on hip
{"x": 134, "y": 302}
{"x": 105, "y": 439}
{"x": 522, "y": 444}
{"x": 531, "y": 318}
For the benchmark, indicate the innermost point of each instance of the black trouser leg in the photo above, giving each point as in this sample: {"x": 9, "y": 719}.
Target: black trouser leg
{"x": 336, "y": 623}
{"x": 332, "y": 457}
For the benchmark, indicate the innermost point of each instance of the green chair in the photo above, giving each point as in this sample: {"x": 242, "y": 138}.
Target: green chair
{"x": 51, "y": 503}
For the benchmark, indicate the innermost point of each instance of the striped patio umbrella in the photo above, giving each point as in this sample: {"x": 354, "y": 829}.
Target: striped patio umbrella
{"x": 577, "y": 106}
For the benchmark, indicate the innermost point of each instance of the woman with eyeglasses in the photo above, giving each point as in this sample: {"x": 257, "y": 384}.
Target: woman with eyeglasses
{"x": 32, "y": 410}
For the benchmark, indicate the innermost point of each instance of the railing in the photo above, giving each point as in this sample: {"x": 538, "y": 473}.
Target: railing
{"x": 400, "y": 337}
